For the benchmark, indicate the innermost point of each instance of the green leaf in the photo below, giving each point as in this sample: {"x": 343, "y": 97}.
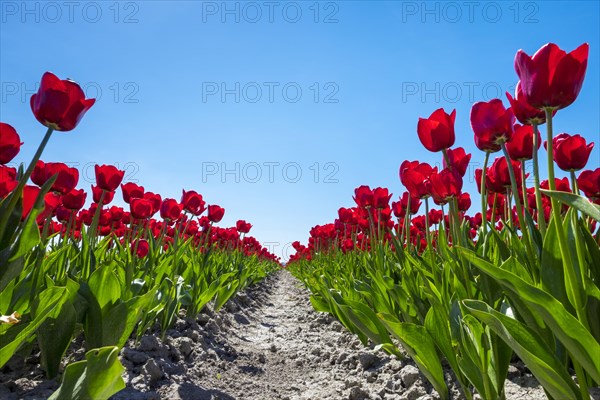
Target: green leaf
{"x": 54, "y": 337}
{"x": 98, "y": 377}
{"x": 419, "y": 345}
{"x": 530, "y": 347}
{"x": 575, "y": 337}
{"x": 579, "y": 202}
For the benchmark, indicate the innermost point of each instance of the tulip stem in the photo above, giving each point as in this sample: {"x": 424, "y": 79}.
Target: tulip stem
{"x": 541, "y": 218}
{"x": 18, "y": 192}
{"x": 484, "y": 194}
{"x": 515, "y": 190}
{"x": 574, "y": 186}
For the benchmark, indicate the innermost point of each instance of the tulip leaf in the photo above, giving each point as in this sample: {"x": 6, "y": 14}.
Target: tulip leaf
{"x": 530, "y": 347}
{"x": 420, "y": 346}
{"x": 97, "y": 377}
{"x": 579, "y": 202}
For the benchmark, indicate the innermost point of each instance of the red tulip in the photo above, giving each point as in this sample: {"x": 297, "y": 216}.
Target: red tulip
{"x": 524, "y": 112}
{"x": 499, "y": 175}
{"x": 10, "y": 143}
{"x": 401, "y": 206}
{"x": 154, "y": 199}
{"x": 170, "y": 210}
{"x": 141, "y": 208}
{"x": 437, "y": 132}
{"x": 74, "y": 200}
{"x": 242, "y": 226}
{"x": 59, "y": 104}
{"x": 552, "y": 77}
{"x": 215, "y": 213}
{"x": 193, "y": 202}
{"x": 363, "y": 196}
{"x": 141, "y": 247}
{"x": 520, "y": 145}
{"x": 416, "y": 178}
{"x": 108, "y": 177}
{"x": 8, "y": 180}
{"x": 30, "y": 194}
{"x": 571, "y": 152}
{"x": 97, "y": 195}
{"x": 381, "y": 198}
{"x": 464, "y": 202}
{"x": 445, "y": 185}
{"x": 589, "y": 183}
{"x": 459, "y": 160}
{"x": 492, "y": 124}
{"x": 131, "y": 191}
{"x": 66, "y": 180}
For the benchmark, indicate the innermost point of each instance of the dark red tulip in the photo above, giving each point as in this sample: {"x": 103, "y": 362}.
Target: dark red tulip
{"x": 141, "y": 247}
{"x": 10, "y": 143}
{"x": 74, "y": 200}
{"x": 215, "y": 213}
{"x": 193, "y": 202}
{"x": 381, "y": 197}
{"x": 108, "y": 177}
{"x": 30, "y": 194}
{"x": 437, "y": 132}
{"x": 154, "y": 199}
{"x": 416, "y": 178}
{"x": 67, "y": 177}
{"x": 170, "y": 209}
{"x": 492, "y": 124}
{"x": 499, "y": 175}
{"x": 8, "y": 180}
{"x": 464, "y": 202}
{"x": 59, "y": 104}
{"x": 552, "y": 77}
{"x": 589, "y": 183}
{"x": 524, "y": 112}
{"x": 401, "y": 206}
{"x": 363, "y": 196}
{"x": 97, "y": 195}
{"x": 243, "y": 226}
{"x": 141, "y": 208}
{"x": 445, "y": 185}
{"x": 131, "y": 191}
{"x": 571, "y": 152}
{"x": 347, "y": 216}
{"x": 520, "y": 145}
{"x": 459, "y": 160}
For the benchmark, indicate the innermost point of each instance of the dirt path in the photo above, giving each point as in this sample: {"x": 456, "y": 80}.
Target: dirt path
{"x": 267, "y": 343}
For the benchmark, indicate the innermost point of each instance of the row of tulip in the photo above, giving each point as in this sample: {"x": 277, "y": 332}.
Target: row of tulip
{"x": 519, "y": 277}
{"x": 103, "y": 271}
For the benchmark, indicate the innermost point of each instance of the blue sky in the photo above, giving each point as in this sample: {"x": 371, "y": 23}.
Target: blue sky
{"x": 277, "y": 110}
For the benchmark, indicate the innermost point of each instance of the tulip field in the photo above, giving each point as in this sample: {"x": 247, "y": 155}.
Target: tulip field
{"x": 452, "y": 280}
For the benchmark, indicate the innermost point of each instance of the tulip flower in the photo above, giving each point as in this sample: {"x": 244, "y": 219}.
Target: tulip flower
{"x": 437, "y": 132}
{"x": 458, "y": 160}
{"x": 141, "y": 247}
{"x": 108, "y": 177}
{"x": 520, "y": 145}
{"x": 154, "y": 199}
{"x": 170, "y": 209}
{"x": 97, "y": 195}
{"x": 523, "y": 111}
{"x": 74, "y": 200}
{"x": 243, "y": 226}
{"x": 571, "y": 152}
{"x": 552, "y": 78}
{"x": 589, "y": 183}
{"x": 193, "y": 202}
{"x": 8, "y": 180}
{"x": 381, "y": 197}
{"x": 416, "y": 178}
{"x": 10, "y": 143}
{"x": 141, "y": 208}
{"x": 215, "y": 213}
{"x": 30, "y": 194}
{"x": 363, "y": 196}
{"x": 66, "y": 180}
{"x": 445, "y": 185}
{"x": 492, "y": 124}
{"x": 131, "y": 191}
{"x": 59, "y": 104}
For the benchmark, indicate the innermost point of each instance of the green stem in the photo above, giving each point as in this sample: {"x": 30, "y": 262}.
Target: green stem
{"x": 541, "y": 219}
{"x": 484, "y": 194}
{"x": 18, "y": 192}
{"x": 574, "y": 186}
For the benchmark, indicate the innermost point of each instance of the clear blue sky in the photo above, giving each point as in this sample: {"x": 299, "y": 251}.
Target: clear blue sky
{"x": 188, "y": 88}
